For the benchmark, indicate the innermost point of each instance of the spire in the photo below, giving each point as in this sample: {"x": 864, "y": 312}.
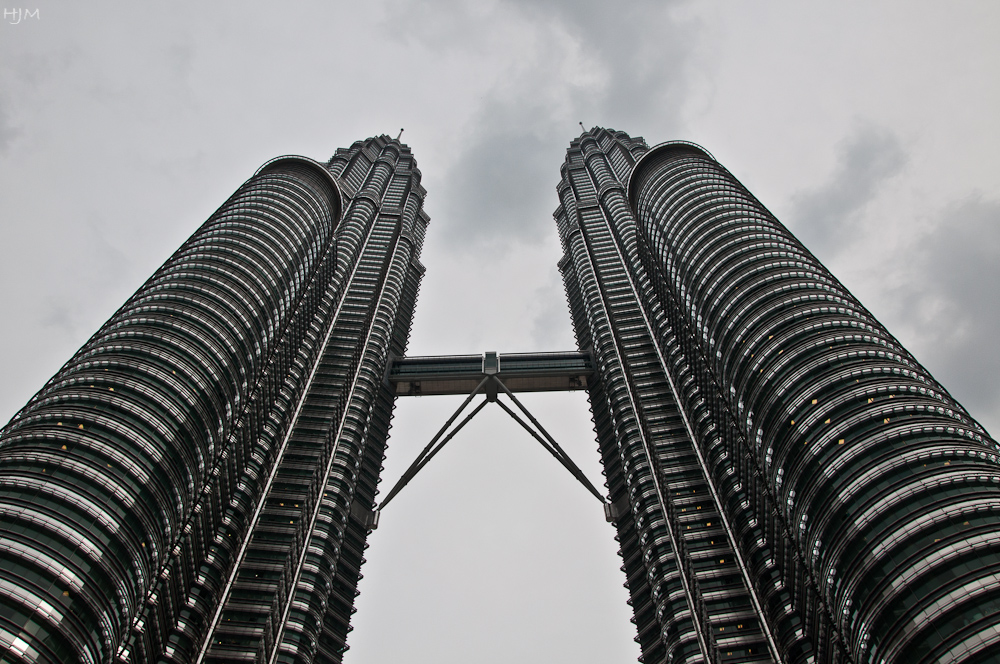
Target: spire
{"x": 400, "y": 134}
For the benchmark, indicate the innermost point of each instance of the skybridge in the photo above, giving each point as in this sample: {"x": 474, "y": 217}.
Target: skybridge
{"x": 520, "y": 372}
{"x": 491, "y": 374}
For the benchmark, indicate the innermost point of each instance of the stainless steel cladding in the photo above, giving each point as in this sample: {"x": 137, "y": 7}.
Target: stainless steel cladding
{"x": 192, "y": 485}
{"x": 795, "y": 486}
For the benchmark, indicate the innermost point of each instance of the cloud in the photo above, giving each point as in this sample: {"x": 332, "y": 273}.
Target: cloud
{"x": 8, "y": 132}
{"x": 643, "y": 48}
{"x": 953, "y": 303}
{"x": 552, "y": 326}
{"x": 558, "y": 64}
{"x": 102, "y": 280}
{"x": 826, "y": 218}
{"x": 56, "y": 314}
{"x": 946, "y": 267}
{"x": 500, "y": 188}
{"x": 180, "y": 57}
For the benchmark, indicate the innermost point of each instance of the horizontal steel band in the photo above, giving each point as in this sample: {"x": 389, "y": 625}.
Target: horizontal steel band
{"x": 878, "y": 477}
{"x": 521, "y": 372}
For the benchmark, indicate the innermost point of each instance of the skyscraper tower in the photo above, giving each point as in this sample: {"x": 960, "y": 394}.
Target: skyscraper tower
{"x": 196, "y": 484}
{"x": 788, "y": 483}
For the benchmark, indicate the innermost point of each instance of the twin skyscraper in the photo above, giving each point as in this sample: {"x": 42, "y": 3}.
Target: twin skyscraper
{"x": 787, "y": 482}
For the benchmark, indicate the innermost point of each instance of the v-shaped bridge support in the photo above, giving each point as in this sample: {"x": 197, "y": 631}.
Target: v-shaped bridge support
{"x": 526, "y": 372}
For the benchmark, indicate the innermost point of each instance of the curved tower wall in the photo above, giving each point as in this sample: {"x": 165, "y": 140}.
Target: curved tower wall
{"x": 106, "y": 466}
{"x": 196, "y": 484}
{"x": 878, "y": 492}
{"x": 689, "y": 588}
{"x": 206, "y": 463}
{"x": 775, "y": 456}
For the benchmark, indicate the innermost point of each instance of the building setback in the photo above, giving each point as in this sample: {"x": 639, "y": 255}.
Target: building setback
{"x": 789, "y": 483}
{"x": 196, "y": 483}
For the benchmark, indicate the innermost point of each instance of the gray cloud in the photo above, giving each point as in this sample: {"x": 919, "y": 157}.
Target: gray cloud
{"x": 947, "y": 298}
{"x": 101, "y": 282}
{"x": 591, "y": 62}
{"x": 643, "y": 47}
{"x": 8, "y": 132}
{"x": 952, "y": 301}
{"x": 439, "y": 25}
{"x": 552, "y": 326}
{"x": 56, "y": 314}
{"x": 826, "y": 217}
{"x": 500, "y": 189}
{"x": 180, "y": 57}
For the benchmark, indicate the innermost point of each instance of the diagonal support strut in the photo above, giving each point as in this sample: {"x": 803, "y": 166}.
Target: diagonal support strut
{"x": 561, "y": 458}
{"x": 559, "y": 452}
{"x": 430, "y": 451}
{"x": 491, "y": 382}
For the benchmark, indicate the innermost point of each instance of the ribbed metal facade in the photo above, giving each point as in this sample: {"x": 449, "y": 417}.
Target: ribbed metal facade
{"x": 788, "y": 484}
{"x": 195, "y": 484}
{"x": 791, "y": 484}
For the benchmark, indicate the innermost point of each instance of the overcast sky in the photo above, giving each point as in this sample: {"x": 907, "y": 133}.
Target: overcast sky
{"x": 870, "y": 128}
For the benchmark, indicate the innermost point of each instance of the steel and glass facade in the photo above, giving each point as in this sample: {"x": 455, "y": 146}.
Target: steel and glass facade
{"x": 196, "y": 483}
{"x": 787, "y": 483}
{"x": 790, "y": 484}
